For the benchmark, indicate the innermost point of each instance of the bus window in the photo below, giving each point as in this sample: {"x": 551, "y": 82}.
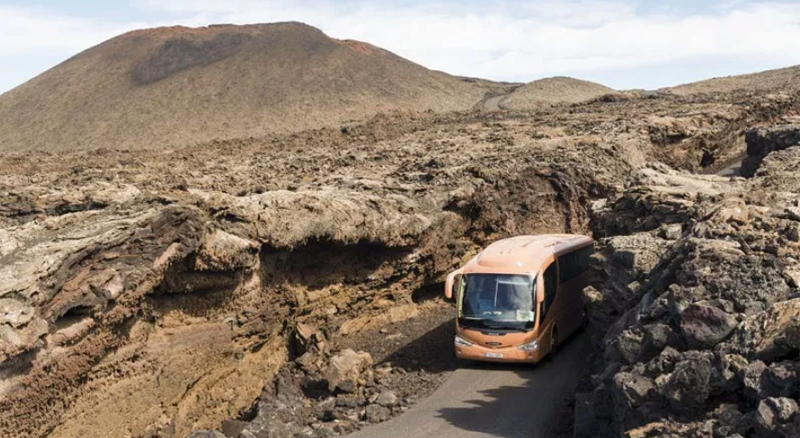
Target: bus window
{"x": 550, "y": 289}
{"x": 574, "y": 264}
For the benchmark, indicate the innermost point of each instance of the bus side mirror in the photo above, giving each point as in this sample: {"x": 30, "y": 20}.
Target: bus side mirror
{"x": 450, "y": 283}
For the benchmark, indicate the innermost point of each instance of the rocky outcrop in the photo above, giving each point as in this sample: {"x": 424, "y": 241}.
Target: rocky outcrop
{"x": 763, "y": 141}
{"x": 708, "y": 345}
{"x": 173, "y": 285}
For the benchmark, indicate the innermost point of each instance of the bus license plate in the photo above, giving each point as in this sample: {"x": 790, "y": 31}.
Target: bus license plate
{"x": 493, "y": 355}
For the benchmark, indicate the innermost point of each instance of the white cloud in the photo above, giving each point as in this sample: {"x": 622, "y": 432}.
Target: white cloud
{"x": 33, "y": 29}
{"x": 498, "y": 40}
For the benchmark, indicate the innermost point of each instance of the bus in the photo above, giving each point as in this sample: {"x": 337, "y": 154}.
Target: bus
{"x": 520, "y": 297}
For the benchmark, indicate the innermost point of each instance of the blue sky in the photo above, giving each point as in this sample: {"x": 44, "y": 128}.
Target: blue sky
{"x": 621, "y": 43}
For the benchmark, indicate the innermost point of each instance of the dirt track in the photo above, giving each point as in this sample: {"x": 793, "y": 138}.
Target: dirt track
{"x": 488, "y": 400}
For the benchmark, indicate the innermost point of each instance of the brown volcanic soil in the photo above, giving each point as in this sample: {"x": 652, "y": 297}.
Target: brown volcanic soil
{"x": 551, "y": 91}
{"x": 177, "y": 86}
{"x": 153, "y": 293}
{"x": 780, "y": 80}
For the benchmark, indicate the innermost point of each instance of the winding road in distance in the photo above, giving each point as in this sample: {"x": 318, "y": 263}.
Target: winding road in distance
{"x": 493, "y": 103}
{"x": 493, "y": 400}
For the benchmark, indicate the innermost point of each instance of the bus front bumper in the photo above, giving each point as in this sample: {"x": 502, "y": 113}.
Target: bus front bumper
{"x": 507, "y": 354}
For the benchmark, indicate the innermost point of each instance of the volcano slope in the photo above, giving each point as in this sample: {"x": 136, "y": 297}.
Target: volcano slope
{"x": 172, "y": 87}
{"x": 155, "y": 293}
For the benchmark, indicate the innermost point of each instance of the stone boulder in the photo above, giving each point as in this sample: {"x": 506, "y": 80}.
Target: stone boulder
{"x": 657, "y": 337}
{"x": 783, "y": 378}
{"x": 386, "y": 399}
{"x": 657, "y": 197}
{"x": 376, "y": 413}
{"x": 754, "y": 380}
{"x": 632, "y": 390}
{"x": 731, "y": 422}
{"x": 703, "y": 327}
{"x": 345, "y": 370}
{"x": 778, "y": 418}
{"x": 687, "y": 388}
{"x": 770, "y": 335}
{"x": 268, "y": 424}
{"x": 309, "y": 339}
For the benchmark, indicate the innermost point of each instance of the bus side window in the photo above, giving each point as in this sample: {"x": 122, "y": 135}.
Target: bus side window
{"x": 574, "y": 263}
{"x": 550, "y": 288}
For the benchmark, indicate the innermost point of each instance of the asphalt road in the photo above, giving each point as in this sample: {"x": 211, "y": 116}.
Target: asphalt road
{"x": 731, "y": 169}
{"x": 493, "y": 400}
{"x": 493, "y": 103}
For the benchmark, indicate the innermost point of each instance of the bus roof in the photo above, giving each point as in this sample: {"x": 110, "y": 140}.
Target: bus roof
{"x": 523, "y": 254}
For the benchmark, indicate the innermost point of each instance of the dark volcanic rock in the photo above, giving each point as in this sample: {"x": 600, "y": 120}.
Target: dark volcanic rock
{"x": 762, "y": 141}
{"x": 376, "y": 413}
{"x": 711, "y": 345}
{"x": 703, "y": 327}
{"x": 633, "y": 390}
{"x": 687, "y": 388}
{"x": 778, "y": 417}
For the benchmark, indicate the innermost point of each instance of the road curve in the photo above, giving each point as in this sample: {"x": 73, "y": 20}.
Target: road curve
{"x": 733, "y": 168}
{"x": 493, "y": 103}
{"x": 489, "y": 400}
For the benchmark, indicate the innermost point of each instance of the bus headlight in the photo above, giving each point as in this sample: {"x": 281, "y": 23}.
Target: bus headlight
{"x": 461, "y": 342}
{"x": 530, "y": 346}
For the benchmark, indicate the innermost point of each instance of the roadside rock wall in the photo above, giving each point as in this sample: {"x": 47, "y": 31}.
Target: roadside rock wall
{"x": 704, "y": 342}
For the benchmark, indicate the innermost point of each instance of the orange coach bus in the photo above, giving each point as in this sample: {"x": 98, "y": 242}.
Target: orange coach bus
{"x": 520, "y": 297}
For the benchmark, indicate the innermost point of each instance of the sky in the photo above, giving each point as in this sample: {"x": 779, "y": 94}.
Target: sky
{"x": 624, "y": 44}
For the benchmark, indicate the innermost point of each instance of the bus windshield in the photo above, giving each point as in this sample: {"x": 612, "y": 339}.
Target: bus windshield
{"x": 498, "y": 301}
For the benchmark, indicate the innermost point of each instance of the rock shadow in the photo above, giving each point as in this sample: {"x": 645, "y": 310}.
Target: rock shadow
{"x": 432, "y": 352}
